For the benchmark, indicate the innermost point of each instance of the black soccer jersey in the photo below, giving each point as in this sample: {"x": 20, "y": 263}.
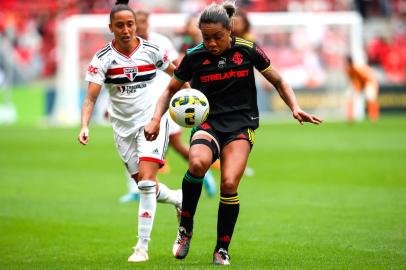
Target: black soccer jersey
{"x": 227, "y": 81}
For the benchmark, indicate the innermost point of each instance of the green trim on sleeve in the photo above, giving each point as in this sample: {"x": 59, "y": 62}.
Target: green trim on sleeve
{"x": 197, "y": 47}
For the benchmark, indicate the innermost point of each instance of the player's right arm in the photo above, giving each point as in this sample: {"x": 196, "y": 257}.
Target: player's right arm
{"x": 151, "y": 130}
{"x": 95, "y": 75}
{"x": 93, "y": 92}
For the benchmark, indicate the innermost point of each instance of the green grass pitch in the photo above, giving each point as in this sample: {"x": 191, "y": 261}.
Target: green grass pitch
{"x": 322, "y": 197}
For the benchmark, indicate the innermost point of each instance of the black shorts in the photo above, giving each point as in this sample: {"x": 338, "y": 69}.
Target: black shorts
{"x": 224, "y": 138}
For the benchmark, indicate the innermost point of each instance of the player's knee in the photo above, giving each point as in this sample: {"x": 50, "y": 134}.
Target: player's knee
{"x": 146, "y": 175}
{"x": 147, "y": 186}
{"x": 135, "y": 177}
{"x": 198, "y": 167}
{"x": 228, "y": 186}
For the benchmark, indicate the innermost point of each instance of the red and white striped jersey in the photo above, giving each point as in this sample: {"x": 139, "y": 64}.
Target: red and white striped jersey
{"x": 128, "y": 78}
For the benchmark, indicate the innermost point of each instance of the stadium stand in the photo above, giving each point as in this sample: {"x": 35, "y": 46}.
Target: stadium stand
{"x": 30, "y": 27}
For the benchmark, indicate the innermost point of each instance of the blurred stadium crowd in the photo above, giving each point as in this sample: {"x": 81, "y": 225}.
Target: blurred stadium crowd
{"x": 27, "y": 30}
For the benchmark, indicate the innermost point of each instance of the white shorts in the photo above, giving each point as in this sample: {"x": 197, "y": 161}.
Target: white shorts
{"x": 135, "y": 148}
{"x": 173, "y": 127}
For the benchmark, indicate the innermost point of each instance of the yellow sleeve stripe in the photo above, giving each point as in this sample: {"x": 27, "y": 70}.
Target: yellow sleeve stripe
{"x": 268, "y": 68}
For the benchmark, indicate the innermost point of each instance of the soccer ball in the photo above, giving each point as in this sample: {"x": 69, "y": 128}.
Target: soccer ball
{"x": 189, "y": 107}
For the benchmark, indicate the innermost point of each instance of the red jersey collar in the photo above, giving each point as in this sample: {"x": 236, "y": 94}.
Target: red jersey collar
{"x": 128, "y": 55}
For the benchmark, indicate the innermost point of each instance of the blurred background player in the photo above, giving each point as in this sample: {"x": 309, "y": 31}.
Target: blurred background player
{"x": 364, "y": 88}
{"x": 191, "y": 35}
{"x": 241, "y": 26}
{"x": 161, "y": 80}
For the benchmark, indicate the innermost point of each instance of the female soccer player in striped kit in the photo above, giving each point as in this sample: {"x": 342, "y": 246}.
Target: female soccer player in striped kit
{"x": 222, "y": 68}
{"x": 127, "y": 66}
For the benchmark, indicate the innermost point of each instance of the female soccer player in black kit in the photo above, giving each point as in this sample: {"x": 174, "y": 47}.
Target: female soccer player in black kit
{"x": 222, "y": 68}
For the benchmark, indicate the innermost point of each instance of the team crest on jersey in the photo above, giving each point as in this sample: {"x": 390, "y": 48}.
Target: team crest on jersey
{"x": 237, "y": 58}
{"x": 131, "y": 73}
{"x": 222, "y": 62}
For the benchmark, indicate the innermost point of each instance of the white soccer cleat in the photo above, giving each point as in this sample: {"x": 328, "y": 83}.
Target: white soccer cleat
{"x": 221, "y": 257}
{"x": 139, "y": 255}
{"x": 181, "y": 246}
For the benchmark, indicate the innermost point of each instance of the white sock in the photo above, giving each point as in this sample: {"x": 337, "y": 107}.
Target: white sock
{"x": 146, "y": 212}
{"x": 167, "y": 195}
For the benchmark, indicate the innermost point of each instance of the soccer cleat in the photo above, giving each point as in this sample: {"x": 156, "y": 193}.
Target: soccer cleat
{"x": 178, "y": 204}
{"x": 139, "y": 255}
{"x": 221, "y": 257}
{"x": 209, "y": 183}
{"x": 130, "y": 197}
{"x": 182, "y": 243}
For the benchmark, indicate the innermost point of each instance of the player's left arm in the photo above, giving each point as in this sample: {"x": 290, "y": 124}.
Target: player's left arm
{"x": 288, "y": 96}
